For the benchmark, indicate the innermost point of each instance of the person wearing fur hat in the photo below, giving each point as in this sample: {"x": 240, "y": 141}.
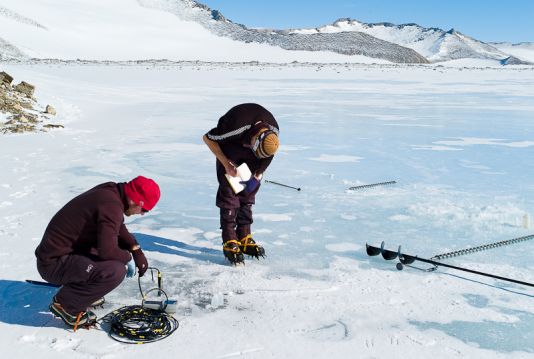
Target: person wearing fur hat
{"x": 87, "y": 249}
{"x": 247, "y": 133}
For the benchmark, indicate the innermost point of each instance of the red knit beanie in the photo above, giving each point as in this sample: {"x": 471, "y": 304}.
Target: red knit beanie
{"x": 143, "y": 189}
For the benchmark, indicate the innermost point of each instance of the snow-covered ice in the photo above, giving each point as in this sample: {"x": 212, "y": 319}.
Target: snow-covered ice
{"x": 458, "y": 141}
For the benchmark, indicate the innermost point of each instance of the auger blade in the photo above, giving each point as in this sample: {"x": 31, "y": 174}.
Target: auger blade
{"x": 372, "y": 251}
{"x": 406, "y": 259}
{"x": 389, "y": 255}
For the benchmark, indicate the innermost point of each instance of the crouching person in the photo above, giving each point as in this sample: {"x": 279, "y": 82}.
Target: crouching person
{"x": 87, "y": 249}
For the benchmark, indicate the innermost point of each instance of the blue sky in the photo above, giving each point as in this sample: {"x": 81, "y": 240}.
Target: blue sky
{"x": 488, "y": 20}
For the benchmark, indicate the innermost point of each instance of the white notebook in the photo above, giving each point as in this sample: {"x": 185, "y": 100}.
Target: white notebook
{"x": 243, "y": 174}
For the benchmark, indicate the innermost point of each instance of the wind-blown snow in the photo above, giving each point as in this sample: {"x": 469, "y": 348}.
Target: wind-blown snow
{"x": 316, "y": 294}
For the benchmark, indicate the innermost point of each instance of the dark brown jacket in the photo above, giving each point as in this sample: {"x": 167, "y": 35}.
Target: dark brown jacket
{"x": 90, "y": 224}
{"x": 234, "y": 132}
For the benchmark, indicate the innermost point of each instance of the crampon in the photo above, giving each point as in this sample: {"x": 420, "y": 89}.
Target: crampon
{"x": 232, "y": 252}
{"x": 86, "y": 320}
{"x": 248, "y": 246}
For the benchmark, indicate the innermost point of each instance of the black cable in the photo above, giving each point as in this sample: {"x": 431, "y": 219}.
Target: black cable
{"x": 137, "y": 324}
{"x": 152, "y": 269}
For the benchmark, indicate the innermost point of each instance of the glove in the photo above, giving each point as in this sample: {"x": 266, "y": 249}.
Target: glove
{"x": 130, "y": 268}
{"x": 140, "y": 261}
{"x": 251, "y": 185}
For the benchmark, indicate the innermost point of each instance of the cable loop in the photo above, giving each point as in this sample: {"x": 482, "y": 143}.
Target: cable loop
{"x": 137, "y": 324}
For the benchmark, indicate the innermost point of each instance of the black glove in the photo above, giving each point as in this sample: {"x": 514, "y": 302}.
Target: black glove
{"x": 140, "y": 261}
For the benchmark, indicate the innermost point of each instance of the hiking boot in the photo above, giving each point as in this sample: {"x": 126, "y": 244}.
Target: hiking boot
{"x": 248, "y": 246}
{"x": 98, "y": 303}
{"x": 85, "y": 319}
{"x": 232, "y": 252}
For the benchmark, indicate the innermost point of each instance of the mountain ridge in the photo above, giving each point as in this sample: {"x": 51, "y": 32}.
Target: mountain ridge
{"x": 435, "y": 44}
{"x": 188, "y": 30}
{"x": 213, "y": 20}
{"x": 446, "y": 45}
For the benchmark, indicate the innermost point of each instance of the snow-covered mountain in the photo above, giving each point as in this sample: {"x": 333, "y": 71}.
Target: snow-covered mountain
{"x": 354, "y": 43}
{"x": 433, "y": 43}
{"x": 188, "y": 30}
{"x": 523, "y": 50}
{"x": 124, "y": 30}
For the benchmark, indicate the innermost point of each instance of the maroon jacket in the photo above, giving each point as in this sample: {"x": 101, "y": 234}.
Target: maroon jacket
{"x": 235, "y": 129}
{"x": 90, "y": 224}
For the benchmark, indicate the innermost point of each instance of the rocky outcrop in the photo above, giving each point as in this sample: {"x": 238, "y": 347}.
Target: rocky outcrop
{"x": 512, "y": 60}
{"x": 50, "y": 110}
{"x": 5, "y": 78}
{"x": 25, "y": 88}
{"x": 19, "y": 111}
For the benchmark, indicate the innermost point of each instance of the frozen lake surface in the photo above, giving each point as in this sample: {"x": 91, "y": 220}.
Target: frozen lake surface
{"x": 459, "y": 142}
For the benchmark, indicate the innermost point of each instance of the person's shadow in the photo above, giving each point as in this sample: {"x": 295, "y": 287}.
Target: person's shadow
{"x": 27, "y": 304}
{"x": 164, "y": 245}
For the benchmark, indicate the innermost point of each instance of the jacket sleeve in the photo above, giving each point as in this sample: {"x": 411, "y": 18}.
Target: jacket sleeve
{"x": 110, "y": 219}
{"x": 264, "y": 163}
{"x": 225, "y": 133}
{"x": 126, "y": 239}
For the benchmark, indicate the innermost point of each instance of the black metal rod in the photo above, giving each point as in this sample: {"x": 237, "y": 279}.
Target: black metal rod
{"x": 473, "y": 271}
{"x": 283, "y": 185}
{"x": 408, "y": 259}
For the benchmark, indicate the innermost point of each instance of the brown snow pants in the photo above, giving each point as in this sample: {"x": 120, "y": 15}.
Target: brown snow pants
{"x": 235, "y": 209}
{"x": 83, "y": 280}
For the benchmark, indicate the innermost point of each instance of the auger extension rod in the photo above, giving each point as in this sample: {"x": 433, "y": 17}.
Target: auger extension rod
{"x": 283, "y": 185}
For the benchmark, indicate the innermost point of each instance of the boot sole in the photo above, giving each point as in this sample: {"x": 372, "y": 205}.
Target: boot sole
{"x": 59, "y": 314}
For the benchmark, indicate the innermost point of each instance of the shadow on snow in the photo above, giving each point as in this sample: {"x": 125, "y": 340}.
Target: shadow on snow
{"x": 26, "y": 304}
{"x": 500, "y": 336}
{"x": 169, "y": 246}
